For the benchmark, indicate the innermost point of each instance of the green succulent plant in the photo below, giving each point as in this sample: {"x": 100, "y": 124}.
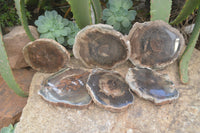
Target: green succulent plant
{"x": 53, "y": 26}
{"x": 9, "y": 129}
{"x": 118, "y": 14}
{"x": 71, "y": 37}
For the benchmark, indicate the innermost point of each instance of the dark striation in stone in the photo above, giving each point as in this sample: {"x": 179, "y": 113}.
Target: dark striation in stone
{"x": 154, "y": 44}
{"x": 101, "y": 46}
{"x": 109, "y": 90}
{"x": 67, "y": 88}
{"x": 151, "y": 85}
{"x": 46, "y": 55}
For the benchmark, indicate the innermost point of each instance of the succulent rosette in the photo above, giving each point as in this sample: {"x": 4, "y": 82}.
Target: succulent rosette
{"x": 118, "y": 15}
{"x": 53, "y": 26}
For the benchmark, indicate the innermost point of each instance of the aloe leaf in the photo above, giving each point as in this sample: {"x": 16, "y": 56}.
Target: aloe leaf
{"x": 81, "y": 10}
{"x": 183, "y": 64}
{"x": 160, "y": 10}
{"x": 188, "y": 8}
{"x": 5, "y": 70}
{"x": 96, "y": 5}
{"x": 19, "y": 4}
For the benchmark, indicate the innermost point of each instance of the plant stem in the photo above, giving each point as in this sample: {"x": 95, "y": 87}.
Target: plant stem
{"x": 6, "y": 71}
{"x": 19, "y": 4}
{"x": 160, "y": 10}
{"x": 188, "y": 8}
{"x": 67, "y": 12}
{"x": 183, "y": 64}
{"x": 81, "y": 10}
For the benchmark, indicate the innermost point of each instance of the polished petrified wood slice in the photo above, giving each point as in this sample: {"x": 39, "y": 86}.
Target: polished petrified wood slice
{"x": 109, "y": 90}
{"x": 46, "y": 55}
{"x": 101, "y": 46}
{"x": 154, "y": 44}
{"x": 151, "y": 85}
{"x": 67, "y": 88}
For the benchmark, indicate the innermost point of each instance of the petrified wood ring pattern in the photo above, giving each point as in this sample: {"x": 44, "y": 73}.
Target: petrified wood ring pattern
{"x": 151, "y": 85}
{"x": 154, "y": 44}
{"x": 46, "y": 55}
{"x": 101, "y": 46}
{"x": 109, "y": 90}
{"x": 67, "y": 88}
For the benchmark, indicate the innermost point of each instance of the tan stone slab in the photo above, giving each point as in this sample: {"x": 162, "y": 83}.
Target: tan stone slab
{"x": 11, "y": 104}
{"x": 181, "y": 116}
{"x": 14, "y": 42}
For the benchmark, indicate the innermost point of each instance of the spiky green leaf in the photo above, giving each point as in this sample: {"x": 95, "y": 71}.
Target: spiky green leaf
{"x": 96, "y": 6}
{"x": 6, "y": 71}
{"x": 81, "y": 10}
{"x": 188, "y": 8}
{"x": 160, "y": 10}
{"x": 19, "y": 4}
{"x": 183, "y": 64}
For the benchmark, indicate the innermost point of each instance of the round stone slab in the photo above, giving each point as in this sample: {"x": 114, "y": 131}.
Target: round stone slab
{"x": 151, "y": 85}
{"x": 109, "y": 90}
{"x": 46, "y": 55}
{"x": 101, "y": 46}
{"x": 67, "y": 88}
{"x": 154, "y": 44}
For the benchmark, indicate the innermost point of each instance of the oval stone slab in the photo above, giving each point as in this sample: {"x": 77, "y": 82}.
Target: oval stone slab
{"x": 67, "y": 88}
{"x": 109, "y": 90}
{"x": 46, "y": 55}
{"x": 154, "y": 44}
{"x": 151, "y": 85}
{"x": 101, "y": 46}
